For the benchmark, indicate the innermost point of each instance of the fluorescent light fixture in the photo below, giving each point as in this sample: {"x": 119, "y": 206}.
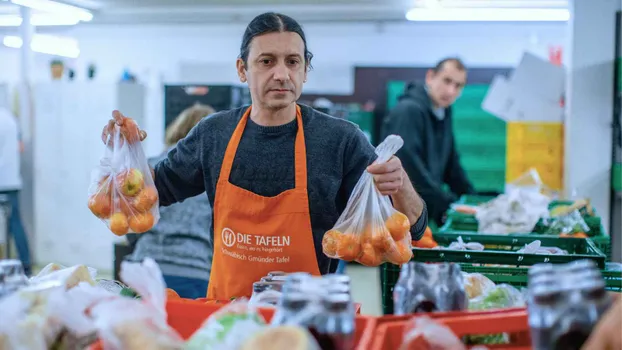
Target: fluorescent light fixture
{"x": 48, "y": 44}
{"x": 488, "y": 14}
{"x": 56, "y": 8}
{"x": 10, "y": 21}
{"x": 38, "y": 20}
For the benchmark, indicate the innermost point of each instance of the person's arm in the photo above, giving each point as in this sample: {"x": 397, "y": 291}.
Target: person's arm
{"x": 360, "y": 154}
{"x": 455, "y": 176}
{"x": 180, "y": 174}
{"x": 406, "y": 120}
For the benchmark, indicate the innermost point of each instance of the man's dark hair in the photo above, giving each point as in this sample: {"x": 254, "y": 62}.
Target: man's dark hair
{"x": 455, "y": 60}
{"x": 271, "y": 22}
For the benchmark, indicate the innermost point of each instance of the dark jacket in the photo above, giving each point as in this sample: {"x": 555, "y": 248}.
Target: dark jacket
{"x": 429, "y": 154}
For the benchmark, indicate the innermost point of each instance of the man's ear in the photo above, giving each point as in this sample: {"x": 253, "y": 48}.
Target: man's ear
{"x": 241, "y": 68}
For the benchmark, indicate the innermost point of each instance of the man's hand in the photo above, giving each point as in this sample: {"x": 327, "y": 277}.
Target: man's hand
{"x": 389, "y": 176}
{"x": 129, "y": 129}
{"x": 606, "y": 334}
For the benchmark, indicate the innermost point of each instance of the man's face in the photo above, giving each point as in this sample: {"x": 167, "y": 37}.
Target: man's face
{"x": 445, "y": 86}
{"x": 275, "y": 70}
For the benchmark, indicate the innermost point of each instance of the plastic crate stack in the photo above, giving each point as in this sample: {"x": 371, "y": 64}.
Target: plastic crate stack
{"x": 500, "y": 260}
{"x": 537, "y": 145}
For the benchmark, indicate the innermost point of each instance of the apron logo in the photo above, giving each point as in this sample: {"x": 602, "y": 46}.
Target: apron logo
{"x": 228, "y": 237}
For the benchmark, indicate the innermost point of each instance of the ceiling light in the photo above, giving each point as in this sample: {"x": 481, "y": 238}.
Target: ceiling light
{"x": 488, "y": 15}
{"x": 48, "y": 44}
{"x": 56, "y": 8}
{"x": 10, "y": 21}
{"x": 38, "y": 20}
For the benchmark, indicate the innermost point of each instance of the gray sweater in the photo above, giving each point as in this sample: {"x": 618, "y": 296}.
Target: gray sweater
{"x": 337, "y": 154}
{"x": 180, "y": 242}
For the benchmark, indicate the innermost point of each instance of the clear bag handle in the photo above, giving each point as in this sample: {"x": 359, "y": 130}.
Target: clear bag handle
{"x": 388, "y": 148}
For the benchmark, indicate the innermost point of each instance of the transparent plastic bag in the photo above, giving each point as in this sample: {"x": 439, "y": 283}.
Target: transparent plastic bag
{"x": 500, "y": 297}
{"x": 370, "y": 231}
{"x": 476, "y": 284}
{"x": 569, "y": 223}
{"x": 122, "y": 191}
{"x": 146, "y": 279}
{"x": 26, "y": 321}
{"x": 536, "y": 247}
{"x": 69, "y": 276}
{"x": 228, "y": 328}
{"x": 423, "y": 333}
{"x": 129, "y": 324}
{"x": 459, "y": 244}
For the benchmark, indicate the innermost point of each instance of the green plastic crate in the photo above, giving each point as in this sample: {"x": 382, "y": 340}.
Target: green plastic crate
{"x": 517, "y": 277}
{"x": 514, "y": 276}
{"x": 502, "y": 250}
{"x": 616, "y": 177}
{"x": 457, "y": 221}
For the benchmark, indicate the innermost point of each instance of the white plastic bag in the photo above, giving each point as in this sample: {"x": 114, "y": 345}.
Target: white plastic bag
{"x": 459, "y": 244}
{"x": 146, "y": 279}
{"x": 69, "y": 276}
{"x": 128, "y": 324}
{"x": 26, "y": 322}
{"x": 536, "y": 247}
{"x": 122, "y": 191}
{"x": 370, "y": 231}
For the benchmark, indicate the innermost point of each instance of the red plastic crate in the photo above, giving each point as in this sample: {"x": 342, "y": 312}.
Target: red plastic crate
{"x": 389, "y": 335}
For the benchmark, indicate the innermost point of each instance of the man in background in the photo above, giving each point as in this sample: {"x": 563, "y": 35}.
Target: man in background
{"x": 11, "y": 183}
{"x": 422, "y": 117}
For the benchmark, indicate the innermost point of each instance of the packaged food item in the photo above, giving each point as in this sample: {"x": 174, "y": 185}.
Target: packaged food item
{"x": 370, "y": 231}
{"x": 122, "y": 192}
{"x": 69, "y": 276}
{"x": 281, "y": 338}
{"x": 228, "y": 328}
{"x": 476, "y": 284}
{"x": 565, "y": 303}
{"x": 429, "y": 288}
{"x": 566, "y": 223}
{"x": 498, "y": 297}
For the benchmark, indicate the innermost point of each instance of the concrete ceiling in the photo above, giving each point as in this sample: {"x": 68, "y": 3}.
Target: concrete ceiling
{"x": 219, "y": 11}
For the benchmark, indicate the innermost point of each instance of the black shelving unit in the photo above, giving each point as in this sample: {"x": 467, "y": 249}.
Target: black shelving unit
{"x": 615, "y": 224}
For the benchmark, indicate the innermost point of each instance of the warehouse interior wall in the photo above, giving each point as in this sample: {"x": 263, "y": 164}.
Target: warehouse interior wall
{"x": 589, "y": 107}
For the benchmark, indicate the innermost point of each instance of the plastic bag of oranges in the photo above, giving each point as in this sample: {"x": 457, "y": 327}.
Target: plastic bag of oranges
{"x": 122, "y": 191}
{"x": 370, "y": 231}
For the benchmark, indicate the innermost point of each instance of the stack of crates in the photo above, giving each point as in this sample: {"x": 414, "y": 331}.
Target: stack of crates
{"x": 480, "y": 137}
{"x": 537, "y": 145}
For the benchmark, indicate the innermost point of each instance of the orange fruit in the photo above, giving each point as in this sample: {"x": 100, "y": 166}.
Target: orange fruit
{"x": 381, "y": 240}
{"x": 428, "y": 232}
{"x": 398, "y": 225}
{"x": 171, "y": 294}
{"x": 142, "y": 222}
{"x": 118, "y": 224}
{"x": 330, "y": 242}
{"x": 145, "y": 199}
{"x": 400, "y": 254}
{"x": 370, "y": 256}
{"x": 100, "y": 205}
{"x": 348, "y": 247}
{"x": 123, "y": 205}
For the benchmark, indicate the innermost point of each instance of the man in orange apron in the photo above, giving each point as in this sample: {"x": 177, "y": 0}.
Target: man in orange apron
{"x": 277, "y": 174}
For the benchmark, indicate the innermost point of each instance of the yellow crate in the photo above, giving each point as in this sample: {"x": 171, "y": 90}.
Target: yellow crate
{"x": 535, "y": 153}
{"x": 534, "y": 132}
{"x": 551, "y": 174}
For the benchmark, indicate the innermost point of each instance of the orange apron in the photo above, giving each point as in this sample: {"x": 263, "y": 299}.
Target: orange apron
{"x": 254, "y": 235}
